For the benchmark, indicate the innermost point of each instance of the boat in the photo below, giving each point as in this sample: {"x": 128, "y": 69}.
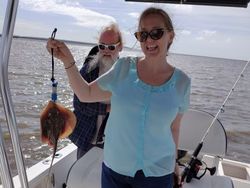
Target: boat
{"x": 86, "y": 172}
{"x": 69, "y": 172}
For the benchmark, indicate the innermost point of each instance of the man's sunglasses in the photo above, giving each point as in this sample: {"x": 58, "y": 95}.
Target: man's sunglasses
{"x": 154, "y": 34}
{"x": 108, "y": 46}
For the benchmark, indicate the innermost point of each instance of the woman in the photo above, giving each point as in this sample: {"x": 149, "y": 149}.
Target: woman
{"x": 148, "y": 98}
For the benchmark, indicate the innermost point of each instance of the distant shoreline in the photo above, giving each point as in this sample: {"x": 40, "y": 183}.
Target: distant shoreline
{"x": 45, "y": 39}
{"x": 92, "y": 44}
{"x": 68, "y": 41}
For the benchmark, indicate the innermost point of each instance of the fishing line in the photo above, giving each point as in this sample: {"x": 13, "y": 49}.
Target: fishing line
{"x": 188, "y": 172}
{"x": 223, "y": 104}
{"x": 53, "y": 35}
{"x": 53, "y": 98}
{"x": 53, "y": 80}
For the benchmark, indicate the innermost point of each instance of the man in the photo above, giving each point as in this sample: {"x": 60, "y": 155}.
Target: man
{"x": 90, "y": 115}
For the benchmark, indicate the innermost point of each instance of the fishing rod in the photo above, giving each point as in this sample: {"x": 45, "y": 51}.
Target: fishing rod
{"x": 190, "y": 171}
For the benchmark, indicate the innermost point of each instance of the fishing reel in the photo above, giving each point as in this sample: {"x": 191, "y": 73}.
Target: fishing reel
{"x": 193, "y": 168}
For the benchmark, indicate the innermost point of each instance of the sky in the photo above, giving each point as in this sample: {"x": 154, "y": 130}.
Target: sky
{"x": 222, "y": 32}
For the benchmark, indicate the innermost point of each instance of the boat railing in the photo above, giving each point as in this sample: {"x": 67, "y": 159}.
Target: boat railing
{"x": 6, "y": 40}
{"x": 4, "y": 168}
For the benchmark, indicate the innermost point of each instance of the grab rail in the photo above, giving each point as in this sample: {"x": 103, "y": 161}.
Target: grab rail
{"x": 4, "y": 168}
{"x": 6, "y": 39}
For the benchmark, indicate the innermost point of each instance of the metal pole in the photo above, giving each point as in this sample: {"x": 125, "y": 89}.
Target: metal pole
{"x": 6, "y": 40}
{"x": 4, "y": 168}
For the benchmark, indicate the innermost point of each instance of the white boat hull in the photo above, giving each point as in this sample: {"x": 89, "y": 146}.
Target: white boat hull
{"x": 86, "y": 172}
{"x": 238, "y": 172}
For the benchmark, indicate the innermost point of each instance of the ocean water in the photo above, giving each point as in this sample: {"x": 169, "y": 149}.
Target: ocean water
{"x": 212, "y": 79}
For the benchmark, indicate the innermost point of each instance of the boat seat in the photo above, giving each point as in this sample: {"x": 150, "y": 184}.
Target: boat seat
{"x": 194, "y": 125}
{"x": 86, "y": 172}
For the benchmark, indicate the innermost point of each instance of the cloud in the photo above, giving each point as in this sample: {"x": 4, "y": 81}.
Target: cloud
{"x": 183, "y": 9}
{"x": 228, "y": 40}
{"x": 83, "y": 17}
{"x": 208, "y": 33}
{"x": 199, "y": 38}
{"x": 185, "y": 32}
{"x": 134, "y": 14}
{"x": 30, "y": 28}
{"x": 98, "y": 1}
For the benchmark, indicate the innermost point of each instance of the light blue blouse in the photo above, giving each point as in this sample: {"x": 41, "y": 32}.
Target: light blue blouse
{"x": 138, "y": 133}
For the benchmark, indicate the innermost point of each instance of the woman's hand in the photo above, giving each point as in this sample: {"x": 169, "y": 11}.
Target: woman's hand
{"x": 177, "y": 177}
{"x": 60, "y": 51}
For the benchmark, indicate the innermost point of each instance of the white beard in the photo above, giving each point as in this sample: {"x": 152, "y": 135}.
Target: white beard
{"x": 104, "y": 62}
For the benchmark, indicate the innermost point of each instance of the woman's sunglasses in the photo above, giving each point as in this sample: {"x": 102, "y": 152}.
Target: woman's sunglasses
{"x": 154, "y": 34}
{"x": 108, "y": 46}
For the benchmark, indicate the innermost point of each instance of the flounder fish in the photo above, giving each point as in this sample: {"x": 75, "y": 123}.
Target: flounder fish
{"x": 56, "y": 122}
